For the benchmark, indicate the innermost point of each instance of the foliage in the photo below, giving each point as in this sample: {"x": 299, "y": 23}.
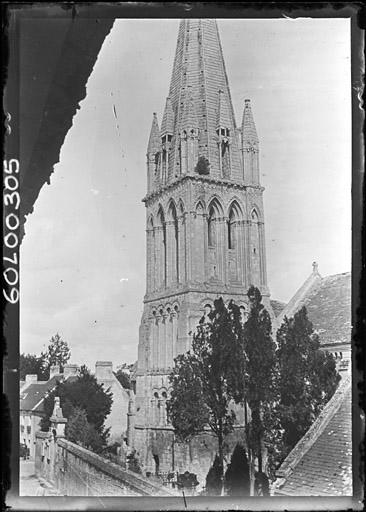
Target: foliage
{"x": 86, "y": 394}
{"x": 237, "y": 476}
{"x": 203, "y": 166}
{"x": 214, "y": 478}
{"x": 308, "y": 377}
{"x": 30, "y": 364}
{"x": 58, "y": 352}
{"x": 123, "y": 378}
{"x": 208, "y": 378}
{"x": 261, "y": 484}
{"x": 80, "y": 431}
{"x": 133, "y": 463}
{"x": 261, "y": 371}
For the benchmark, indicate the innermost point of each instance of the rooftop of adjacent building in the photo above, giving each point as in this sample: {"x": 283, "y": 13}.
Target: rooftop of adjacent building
{"x": 33, "y": 391}
{"x": 321, "y": 462}
{"x": 328, "y": 303}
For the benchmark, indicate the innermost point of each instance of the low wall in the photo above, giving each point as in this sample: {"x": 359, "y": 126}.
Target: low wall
{"x": 76, "y": 471}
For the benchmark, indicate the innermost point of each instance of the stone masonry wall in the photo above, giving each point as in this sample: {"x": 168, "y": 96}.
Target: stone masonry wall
{"x": 76, "y": 471}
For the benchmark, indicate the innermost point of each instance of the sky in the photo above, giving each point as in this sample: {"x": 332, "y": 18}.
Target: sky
{"x": 83, "y": 255}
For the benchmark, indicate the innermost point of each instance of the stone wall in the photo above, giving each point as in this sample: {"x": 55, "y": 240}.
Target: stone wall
{"x": 76, "y": 471}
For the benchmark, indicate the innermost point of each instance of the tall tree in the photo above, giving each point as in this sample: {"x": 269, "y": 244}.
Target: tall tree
{"x": 308, "y": 377}
{"x": 214, "y": 478}
{"x": 261, "y": 368}
{"x": 58, "y": 352}
{"x": 83, "y": 393}
{"x": 32, "y": 364}
{"x": 237, "y": 477}
{"x": 208, "y": 378}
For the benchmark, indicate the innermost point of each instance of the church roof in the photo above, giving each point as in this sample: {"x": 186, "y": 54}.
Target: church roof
{"x": 249, "y": 131}
{"x": 198, "y": 75}
{"x": 328, "y": 303}
{"x": 321, "y": 462}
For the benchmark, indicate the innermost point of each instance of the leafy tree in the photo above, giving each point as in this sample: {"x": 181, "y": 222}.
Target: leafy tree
{"x": 32, "y": 364}
{"x": 261, "y": 370}
{"x": 80, "y": 431}
{"x": 123, "y": 378}
{"x": 84, "y": 394}
{"x": 237, "y": 477}
{"x": 207, "y": 379}
{"x": 58, "y": 352}
{"x": 214, "y": 478}
{"x": 308, "y": 377}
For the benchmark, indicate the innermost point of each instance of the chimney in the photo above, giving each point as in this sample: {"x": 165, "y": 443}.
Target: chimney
{"x": 104, "y": 370}
{"x": 31, "y": 379}
{"x": 54, "y": 370}
{"x": 71, "y": 370}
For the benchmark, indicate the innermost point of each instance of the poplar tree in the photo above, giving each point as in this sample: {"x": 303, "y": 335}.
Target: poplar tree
{"x": 261, "y": 369}
{"x": 209, "y": 378}
{"x": 237, "y": 477}
{"x": 307, "y": 377}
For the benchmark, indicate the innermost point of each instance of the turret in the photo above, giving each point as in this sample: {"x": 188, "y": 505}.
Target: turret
{"x": 249, "y": 146}
{"x": 167, "y": 128}
{"x": 153, "y": 156}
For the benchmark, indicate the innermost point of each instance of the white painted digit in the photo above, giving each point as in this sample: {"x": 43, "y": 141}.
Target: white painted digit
{"x": 8, "y": 199}
{"x": 7, "y": 180}
{"x": 7, "y": 221}
{"x": 13, "y": 260}
{"x": 14, "y": 296}
{"x": 7, "y": 243}
{"x": 9, "y": 166}
{"x": 16, "y": 276}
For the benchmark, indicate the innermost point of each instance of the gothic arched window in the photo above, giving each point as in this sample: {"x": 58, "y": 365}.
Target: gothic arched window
{"x": 211, "y": 231}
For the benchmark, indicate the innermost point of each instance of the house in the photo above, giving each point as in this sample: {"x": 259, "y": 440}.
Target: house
{"x": 321, "y": 462}
{"x": 32, "y": 394}
{"x": 117, "y": 419}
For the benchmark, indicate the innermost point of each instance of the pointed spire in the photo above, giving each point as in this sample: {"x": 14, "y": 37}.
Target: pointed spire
{"x": 189, "y": 117}
{"x": 167, "y": 125}
{"x": 223, "y": 116}
{"x": 154, "y": 139}
{"x": 248, "y": 130}
{"x": 198, "y": 74}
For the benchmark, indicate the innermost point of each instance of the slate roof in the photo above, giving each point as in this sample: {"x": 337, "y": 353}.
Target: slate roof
{"x": 31, "y": 398}
{"x": 321, "y": 462}
{"x": 329, "y": 308}
{"x": 328, "y": 303}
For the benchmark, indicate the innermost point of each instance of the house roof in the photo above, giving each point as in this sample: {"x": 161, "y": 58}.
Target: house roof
{"x": 31, "y": 399}
{"x": 329, "y": 309}
{"x": 328, "y": 303}
{"x": 321, "y": 462}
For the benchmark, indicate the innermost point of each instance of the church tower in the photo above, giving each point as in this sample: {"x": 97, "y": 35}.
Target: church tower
{"x": 204, "y": 222}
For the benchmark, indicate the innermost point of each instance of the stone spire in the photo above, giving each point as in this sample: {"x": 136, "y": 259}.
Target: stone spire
{"x": 248, "y": 129}
{"x": 154, "y": 139}
{"x": 198, "y": 75}
{"x": 167, "y": 125}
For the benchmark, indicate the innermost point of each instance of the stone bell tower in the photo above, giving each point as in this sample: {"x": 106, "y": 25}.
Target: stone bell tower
{"x": 204, "y": 222}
